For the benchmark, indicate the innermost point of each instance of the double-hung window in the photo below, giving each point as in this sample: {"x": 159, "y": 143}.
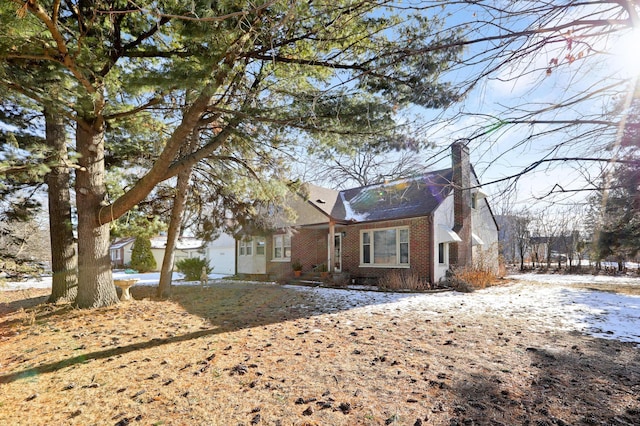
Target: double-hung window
{"x": 246, "y": 246}
{"x": 282, "y": 247}
{"x": 260, "y": 244}
{"x": 385, "y": 247}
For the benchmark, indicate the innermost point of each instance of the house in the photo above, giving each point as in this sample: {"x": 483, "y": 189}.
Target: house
{"x": 186, "y": 247}
{"x": 220, "y": 253}
{"x": 426, "y": 225}
{"x": 120, "y": 252}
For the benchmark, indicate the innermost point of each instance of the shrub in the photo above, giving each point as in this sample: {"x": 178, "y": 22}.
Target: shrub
{"x": 296, "y": 265}
{"x": 397, "y": 280}
{"x": 142, "y": 259}
{"x": 469, "y": 279}
{"x": 192, "y": 268}
{"x": 341, "y": 280}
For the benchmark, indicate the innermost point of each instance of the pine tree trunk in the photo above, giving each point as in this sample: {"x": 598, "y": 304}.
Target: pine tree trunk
{"x": 63, "y": 250}
{"x": 175, "y": 224}
{"x": 95, "y": 283}
{"x": 179, "y": 202}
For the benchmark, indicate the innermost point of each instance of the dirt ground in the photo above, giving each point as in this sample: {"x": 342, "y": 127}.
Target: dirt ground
{"x": 255, "y": 354}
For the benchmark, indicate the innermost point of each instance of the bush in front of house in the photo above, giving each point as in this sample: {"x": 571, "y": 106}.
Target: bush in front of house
{"x": 469, "y": 279}
{"x": 191, "y": 268}
{"x": 402, "y": 280}
{"x": 142, "y": 259}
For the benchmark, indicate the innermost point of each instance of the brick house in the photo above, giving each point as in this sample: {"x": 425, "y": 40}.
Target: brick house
{"x": 425, "y": 224}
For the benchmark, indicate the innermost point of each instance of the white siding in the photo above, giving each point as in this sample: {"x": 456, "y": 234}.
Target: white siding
{"x": 254, "y": 263}
{"x": 221, "y": 254}
{"x": 443, "y": 215}
{"x": 483, "y": 225}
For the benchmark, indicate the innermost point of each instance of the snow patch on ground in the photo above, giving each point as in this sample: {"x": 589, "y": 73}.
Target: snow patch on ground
{"x": 545, "y": 300}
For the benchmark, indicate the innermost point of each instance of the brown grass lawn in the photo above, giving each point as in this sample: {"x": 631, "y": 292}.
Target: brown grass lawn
{"x": 256, "y": 354}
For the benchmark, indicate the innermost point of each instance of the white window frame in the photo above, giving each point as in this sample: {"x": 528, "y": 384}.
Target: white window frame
{"x": 283, "y": 243}
{"x": 116, "y": 255}
{"x": 445, "y": 254}
{"x": 245, "y": 247}
{"x": 371, "y": 244}
{"x": 260, "y": 247}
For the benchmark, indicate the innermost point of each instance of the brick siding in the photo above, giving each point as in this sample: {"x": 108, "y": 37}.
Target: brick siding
{"x": 310, "y": 247}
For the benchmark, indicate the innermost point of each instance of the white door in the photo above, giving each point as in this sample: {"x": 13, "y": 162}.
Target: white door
{"x": 337, "y": 243}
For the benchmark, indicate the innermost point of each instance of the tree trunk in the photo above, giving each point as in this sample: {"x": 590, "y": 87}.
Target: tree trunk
{"x": 175, "y": 223}
{"x": 179, "y": 202}
{"x": 64, "y": 285}
{"x": 95, "y": 283}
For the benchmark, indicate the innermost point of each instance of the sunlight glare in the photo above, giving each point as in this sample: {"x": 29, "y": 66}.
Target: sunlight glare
{"x": 626, "y": 54}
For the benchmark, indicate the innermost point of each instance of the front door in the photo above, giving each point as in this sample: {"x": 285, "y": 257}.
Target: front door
{"x": 337, "y": 244}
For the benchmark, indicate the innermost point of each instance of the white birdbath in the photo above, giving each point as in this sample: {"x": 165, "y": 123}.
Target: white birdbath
{"x": 125, "y": 285}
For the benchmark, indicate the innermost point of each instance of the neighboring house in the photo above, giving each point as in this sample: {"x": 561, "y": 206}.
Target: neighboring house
{"x": 425, "y": 225}
{"x": 221, "y": 254}
{"x": 186, "y": 247}
{"x": 120, "y": 252}
{"x": 561, "y": 248}
{"x": 508, "y": 238}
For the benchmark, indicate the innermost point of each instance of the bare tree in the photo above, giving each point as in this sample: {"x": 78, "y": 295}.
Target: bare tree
{"x": 364, "y": 167}
{"x": 568, "y": 74}
{"x": 521, "y": 223}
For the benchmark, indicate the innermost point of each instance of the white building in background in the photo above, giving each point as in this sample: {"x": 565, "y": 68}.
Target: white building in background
{"x": 186, "y": 248}
{"x": 221, "y": 254}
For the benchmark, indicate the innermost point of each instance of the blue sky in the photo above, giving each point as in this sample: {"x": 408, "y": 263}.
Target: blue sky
{"x": 505, "y": 151}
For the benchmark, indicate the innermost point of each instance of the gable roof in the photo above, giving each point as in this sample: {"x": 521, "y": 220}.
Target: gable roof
{"x": 324, "y": 199}
{"x": 122, "y": 242}
{"x": 411, "y": 197}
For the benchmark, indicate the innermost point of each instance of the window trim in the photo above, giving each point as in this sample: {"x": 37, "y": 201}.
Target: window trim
{"x": 443, "y": 256}
{"x": 283, "y": 248}
{"x": 116, "y": 255}
{"x": 371, "y": 245}
{"x": 245, "y": 247}
{"x": 263, "y": 246}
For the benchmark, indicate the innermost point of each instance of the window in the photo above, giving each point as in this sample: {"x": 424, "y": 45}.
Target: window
{"x": 386, "y": 247}
{"x": 115, "y": 254}
{"x": 260, "y": 244}
{"x": 441, "y": 253}
{"x": 282, "y": 247}
{"x": 246, "y": 247}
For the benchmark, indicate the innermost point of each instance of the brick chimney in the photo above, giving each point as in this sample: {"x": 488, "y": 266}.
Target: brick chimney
{"x": 460, "y": 253}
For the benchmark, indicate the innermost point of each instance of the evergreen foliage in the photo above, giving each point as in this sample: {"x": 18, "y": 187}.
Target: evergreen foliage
{"x": 257, "y": 79}
{"x": 192, "y": 268}
{"x": 620, "y": 213}
{"x": 142, "y": 259}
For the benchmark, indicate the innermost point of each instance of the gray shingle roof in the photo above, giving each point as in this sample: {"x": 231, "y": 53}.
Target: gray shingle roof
{"x": 411, "y": 197}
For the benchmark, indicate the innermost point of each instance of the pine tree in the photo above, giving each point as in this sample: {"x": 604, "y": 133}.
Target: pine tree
{"x": 620, "y": 213}
{"x": 255, "y": 78}
{"x": 142, "y": 259}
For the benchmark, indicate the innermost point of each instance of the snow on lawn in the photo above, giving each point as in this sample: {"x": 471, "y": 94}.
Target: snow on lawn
{"x": 151, "y": 278}
{"x": 548, "y": 301}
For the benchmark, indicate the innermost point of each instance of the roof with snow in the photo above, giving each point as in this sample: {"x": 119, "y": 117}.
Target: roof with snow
{"x": 122, "y": 242}
{"x": 184, "y": 243}
{"x": 411, "y": 197}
